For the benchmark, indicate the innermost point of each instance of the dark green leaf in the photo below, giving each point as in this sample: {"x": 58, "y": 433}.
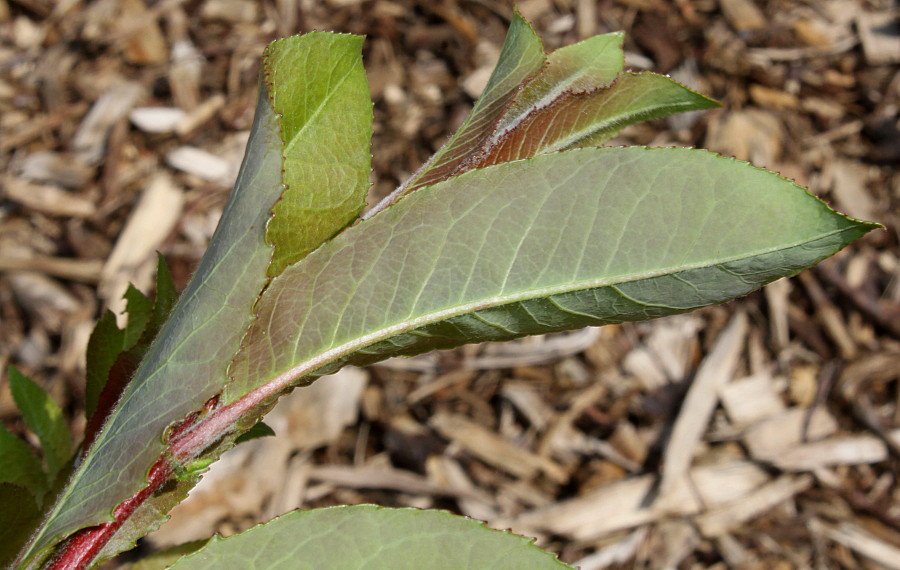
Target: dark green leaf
{"x": 44, "y": 417}
{"x": 20, "y": 514}
{"x": 20, "y": 466}
{"x": 258, "y": 430}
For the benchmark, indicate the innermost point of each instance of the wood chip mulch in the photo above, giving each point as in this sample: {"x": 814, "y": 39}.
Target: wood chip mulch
{"x": 764, "y": 433}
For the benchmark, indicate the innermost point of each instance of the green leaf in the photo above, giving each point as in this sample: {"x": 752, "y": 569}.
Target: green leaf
{"x": 20, "y": 513}
{"x": 166, "y": 296}
{"x": 44, "y": 417}
{"x": 367, "y": 536}
{"x": 104, "y": 346}
{"x": 259, "y": 429}
{"x": 139, "y": 309}
{"x": 317, "y": 84}
{"x": 581, "y": 237}
{"x": 108, "y": 341}
{"x": 589, "y": 118}
{"x": 19, "y": 465}
{"x": 521, "y": 57}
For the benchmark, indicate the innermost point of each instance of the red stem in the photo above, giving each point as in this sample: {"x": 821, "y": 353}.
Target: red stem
{"x": 80, "y": 550}
{"x": 83, "y": 547}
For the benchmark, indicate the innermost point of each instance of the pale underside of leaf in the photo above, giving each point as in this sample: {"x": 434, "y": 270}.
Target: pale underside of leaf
{"x": 318, "y": 87}
{"x": 186, "y": 364}
{"x": 589, "y": 118}
{"x": 367, "y": 536}
{"x": 582, "y": 237}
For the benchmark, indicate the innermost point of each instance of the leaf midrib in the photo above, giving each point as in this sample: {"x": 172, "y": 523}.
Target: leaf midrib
{"x": 288, "y": 145}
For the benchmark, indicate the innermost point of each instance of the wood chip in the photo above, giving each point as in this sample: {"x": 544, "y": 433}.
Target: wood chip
{"x": 752, "y": 135}
{"x": 47, "y": 199}
{"x": 200, "y": 115}
{"x": 768, "y": 438}
{"x": 750, "y": 399}
{"x": 767, "y": 97}
{"x": 737, "y": 513}
{"x": 202, "y": 163}
{"x": 317, "y": 414}
{"x": 585, "y": 517}
{"x": 379, "y": 477}
{"x": 495, "y": 450}
{"x": 55, "y": 168}
{"x": 703, "y": 395}
{"x": 43, "y": 298}
{"x": 529, "y": 402}
{"x": 147, "y": 46}
{"x": 856, "y": 538}
{"x": 231, "y": 11}
{"x": 846, "y": 450}
{"x": 743, "y": 15}
{"x": 777, "y": 294}
{"x": 84, "y": 270}
{"x": 157, "y": 119}
{"x": 627, "y": 503}
{"x": 880, "y": 40}
{"x": 150, "y": 223}
{"x": 446, "y": 472}
{"x": 89, "y": 141}
{"x": 618, "y": 552}
{"x": 850, "y": 191}
{"x": 184, "y": 74}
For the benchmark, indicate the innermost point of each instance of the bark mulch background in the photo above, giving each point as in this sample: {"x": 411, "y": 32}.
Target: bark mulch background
{"x": 763, "y": 433}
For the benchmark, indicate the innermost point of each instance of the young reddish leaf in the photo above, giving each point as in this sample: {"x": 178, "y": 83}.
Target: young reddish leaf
{"x": 20, "y": 466}
{"x": 521, "y": 57}
{"x": 318, "y": 87}
{"x": 44, "y": 417}
{"x": 20, "y": 513}
{"x": 584, "y": 66}
{"x": 589, "y": 118}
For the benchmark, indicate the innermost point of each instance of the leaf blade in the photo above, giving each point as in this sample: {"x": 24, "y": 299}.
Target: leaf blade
{"x": 45, "y": 418}
{"x": 19, "y": 465}
{"x": 583, "y": 66}
{"x": 590, "y": 118}
{"x": 318, "y": 86}
{"x": 20, "y": 513}
{"x": 530, "y": 232}
{"x": 368, "y": 536}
